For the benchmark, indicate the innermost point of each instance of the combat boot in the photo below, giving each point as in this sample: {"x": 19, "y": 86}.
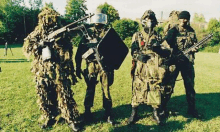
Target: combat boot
{"x": 156, "y": 116}
{"x": 87, "y": 114}
{"x": 134, "y": 116}
{"x": 48, "y": 123}
{"x": 74, "y": 127}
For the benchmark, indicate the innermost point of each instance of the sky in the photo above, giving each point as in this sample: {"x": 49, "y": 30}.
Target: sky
{"x": 135, "y": 8}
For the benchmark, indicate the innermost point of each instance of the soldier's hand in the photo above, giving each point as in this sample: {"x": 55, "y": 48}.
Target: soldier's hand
{"x": 78, "y": 73}
{"x": 195, "y": 49}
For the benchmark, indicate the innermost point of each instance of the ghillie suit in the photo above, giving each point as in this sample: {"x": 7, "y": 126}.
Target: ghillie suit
{"x": 173, "y": 21}
{"x": 53, "y": 69}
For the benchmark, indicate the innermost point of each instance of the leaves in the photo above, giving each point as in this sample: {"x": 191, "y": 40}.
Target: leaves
{"x": 125, "y": 27}
{"x": 75, "y": 9}
{"x": 110, "y": 11}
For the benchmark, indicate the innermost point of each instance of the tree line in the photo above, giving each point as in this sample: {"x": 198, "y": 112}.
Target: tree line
{"x": 18, "y": 19}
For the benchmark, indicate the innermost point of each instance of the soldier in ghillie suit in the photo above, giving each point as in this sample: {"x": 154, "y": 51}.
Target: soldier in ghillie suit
{"x": 150, "y": 74}
{"x": 173, "y": 21}
{"x": 53, "y": 69}
{"x": 93, "y": 68}
{"x": 181, "y": 37}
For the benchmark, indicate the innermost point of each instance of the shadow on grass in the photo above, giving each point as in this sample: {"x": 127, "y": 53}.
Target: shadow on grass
{"x": 170, "y": 126}
{"x": 13, "y": 60}
{"x": 207, "y": 105}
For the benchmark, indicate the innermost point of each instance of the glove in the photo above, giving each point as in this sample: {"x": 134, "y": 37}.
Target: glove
{"x": 78, "y": 73}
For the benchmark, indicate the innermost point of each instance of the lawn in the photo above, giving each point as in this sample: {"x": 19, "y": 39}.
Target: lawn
{"x": 19, "y": 110}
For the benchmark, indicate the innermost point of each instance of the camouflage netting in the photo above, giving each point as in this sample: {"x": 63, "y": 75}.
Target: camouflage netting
{"x": 55, "y": 76}
{"x": 173, "y": 20}
{"x": 47, "y": 14}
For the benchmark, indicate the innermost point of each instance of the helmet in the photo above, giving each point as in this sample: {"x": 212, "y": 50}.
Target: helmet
{"x": 99, "y": 17}
{"x": 48, "y": 15}
{"x": 151, "y": 15}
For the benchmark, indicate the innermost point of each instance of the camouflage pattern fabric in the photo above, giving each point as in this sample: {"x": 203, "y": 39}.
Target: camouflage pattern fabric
{"x": 173, "y": 21}
{"x": 93, "y": 70}
{"x": 180, "y": 38}
{"x": 150, "y": 78}
{"x": 106, "y": 80}
{"x": 55, "y": 76}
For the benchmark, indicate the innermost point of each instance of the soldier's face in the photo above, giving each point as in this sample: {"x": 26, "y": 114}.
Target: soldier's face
{"x": 183, "y": 22}
{"x": 48, "y": 21}
{"x": 147, "y": 22}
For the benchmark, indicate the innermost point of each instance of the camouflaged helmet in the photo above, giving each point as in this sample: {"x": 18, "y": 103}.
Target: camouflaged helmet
{"x": 149, "y": 14}
{"x": 47, "y": 14}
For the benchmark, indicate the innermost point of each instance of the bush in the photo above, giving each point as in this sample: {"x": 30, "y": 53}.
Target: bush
{"x": 127, "y": 42}
{"x": 76, "y": 40}
{"x": 125, "y": 27}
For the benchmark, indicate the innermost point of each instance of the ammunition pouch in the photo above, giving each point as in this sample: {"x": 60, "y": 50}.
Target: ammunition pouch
{"x": 154, "y": 97}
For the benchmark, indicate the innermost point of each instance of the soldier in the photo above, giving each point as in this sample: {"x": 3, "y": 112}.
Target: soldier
{"x": 148, "y": 71}
{"x": 180, "y": 37}
{"x": 93, "y": 68}
{"x": 53, "y": 69}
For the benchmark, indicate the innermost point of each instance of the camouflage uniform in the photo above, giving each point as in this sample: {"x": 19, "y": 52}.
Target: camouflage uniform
{"x": 92, "y": 70}
{"x": 179, "y": 38}
{"x": 150, "y": 73}
{"x": 173, "y": 21}
{"x": 53, "y": 76}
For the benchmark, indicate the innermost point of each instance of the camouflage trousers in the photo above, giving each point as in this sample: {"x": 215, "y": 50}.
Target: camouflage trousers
{"x": 106, "y": 79}
{"x": 56, "y": 96}
{"x": 150, "y": 84}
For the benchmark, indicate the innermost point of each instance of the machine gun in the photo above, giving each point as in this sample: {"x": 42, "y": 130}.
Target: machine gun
{"x": 51, "y": 36}
{"x": 197, "y": 45}
{"x": 182, "y": 55}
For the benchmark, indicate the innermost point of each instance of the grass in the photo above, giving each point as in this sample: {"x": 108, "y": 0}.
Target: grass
{"x": 19, "y": 110}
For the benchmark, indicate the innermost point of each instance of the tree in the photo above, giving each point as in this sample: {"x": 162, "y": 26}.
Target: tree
{"x": 16, "y": 19}
{"x": 75, "y": 9}
{"x": 214, "y": 27}
{"x": 110, "y": 11}
{"x": 198, "y": 18}
{"x": 126, "y": 28}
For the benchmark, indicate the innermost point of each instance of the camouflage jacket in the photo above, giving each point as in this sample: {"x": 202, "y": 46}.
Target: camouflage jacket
{"x": 180, "y": 39}
{"x": 85, "y": 44}
{"x": 142, "y": 42}
{"x": 61, "y": 54}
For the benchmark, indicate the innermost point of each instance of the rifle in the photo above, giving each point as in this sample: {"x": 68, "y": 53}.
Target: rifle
{"x": 66, "y": 28}
{"x": 197, "y": 45}
{"x": 184, "y": 53}
{"x": 97, "y": 56}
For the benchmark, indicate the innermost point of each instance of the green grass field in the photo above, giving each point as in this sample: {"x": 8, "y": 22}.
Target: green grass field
{"x": 19, "y": 110}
